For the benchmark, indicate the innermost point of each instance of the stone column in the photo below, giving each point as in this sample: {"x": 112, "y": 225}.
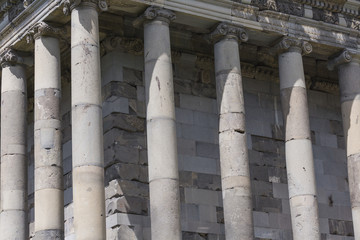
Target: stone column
{"x": 49, "y": 196}
{"x": 87, "y": 124}
{"x": 298, "y": 148}
{"x": 349, "y": 71}
{"x": 235, "y": 173}
{"x": 161, "y": 126}
{"x": 13, "y": 217}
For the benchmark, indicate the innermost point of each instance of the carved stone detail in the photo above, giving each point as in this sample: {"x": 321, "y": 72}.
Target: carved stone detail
{"x": 204, "y": 62}
{"x": 265, "y": 4}
{"x": 291, "y": 8}
{"x": 325, "y": 86}
{"x": 44, "y": 29}
{"x": 131, "y": 45}
{"x": 69, "y": 5}
{"x": 325, "y": 16}
{"x": 293, "y": 44}
{"x": 224, "y": 30}
{"x": 152, "y": 13}
{"x": 352, "y": 22}
{"x": 9, "y": 57}
{"x": 343, "y": 57}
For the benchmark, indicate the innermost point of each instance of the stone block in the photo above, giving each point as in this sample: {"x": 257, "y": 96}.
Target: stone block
{"x": 204, "y": 197}
{"x": 207, "y": 213}
{"x": 133, "y": 76}
{"x": 126, "y": 122}
{"x": 190, "y": 212}
{"x": 258, "y": 127}
{"x": 126, "y": 172}
{"x": 124, "y": 232}
{"x": 207, "y": 181}
{"x": 198, "y": 164}
{"x": 125, "y": 138}
{"x": 209, "y": 150}
{"x": 184, "y": 116}
{"x": 182, "y": 86}
{"x": 261, "y": 219}
{"x": 280, "y": 221}
{"x": 261, "y": 188}
{"x": 267, "y": 204}
{"x": 119, "y": 105}
{"x": 280, "y": 190}
{"x": 114, "y": 90}
{"x": 68, "y": 196}
{"x": 326, "y": 140}
{"x": 201, "y": 104}
{"x": 277, "y": 175}
{"x": 335, "y": 169}
{"x": 193, "y": 236}
{"x": 324, "y": 225}
{"x": 202, "y": 134}
{"x": 67, "y": 165}
{"x": 126, "y": 204}
{"x": 119, "y": 153}
{"x": 203, "y": 90}
{"x": 259, "y": 173}
{"x": 343, "y": 228}
{"x": 67, "y": 149}
{"x": 118, "y": 187}
{"x": 186, "y": 147}
{"x": 264, "y": 144}
{"x": 202, "y": 227}
{"x": 68, "y": 180}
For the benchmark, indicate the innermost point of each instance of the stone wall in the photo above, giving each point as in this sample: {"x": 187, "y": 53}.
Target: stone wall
{"x": 125, "y": 153}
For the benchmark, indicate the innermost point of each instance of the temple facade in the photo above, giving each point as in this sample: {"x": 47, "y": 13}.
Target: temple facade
{"x": 180, "y": 119}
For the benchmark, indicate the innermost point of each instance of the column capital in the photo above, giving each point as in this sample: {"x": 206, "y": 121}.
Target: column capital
{"x": 10, "y": 57}
{"x": 228, "y": 31}
{"x": 155, "y": 13}
{"x": 69, "y": 5}
{"x": 130, "y": 45}
{"x": 345, "y": 56}
{"x": 288, "y": 44}
{"x": 44, "y": 29}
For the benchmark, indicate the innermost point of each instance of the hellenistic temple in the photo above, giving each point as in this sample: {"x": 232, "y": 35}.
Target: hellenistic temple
{"x": 180, "y": 119}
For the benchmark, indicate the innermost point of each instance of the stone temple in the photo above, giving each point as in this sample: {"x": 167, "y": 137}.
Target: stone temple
{"x": 180, "y": 119}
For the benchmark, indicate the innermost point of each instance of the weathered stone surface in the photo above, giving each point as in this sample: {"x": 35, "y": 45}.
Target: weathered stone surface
{"x": 127, "y": 204}
{"x": 122, "y": 233}
{"x": 126, "y": 122}
{"x": 120, "y": 187}
{"x": 126, "y": 172}
{"x": 114, "y": 90}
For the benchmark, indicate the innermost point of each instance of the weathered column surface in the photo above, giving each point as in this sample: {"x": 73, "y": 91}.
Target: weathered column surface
{"x": 298, "y": 149}
{"x": 349, "y": 71}
{"x": 13, "y": 217}
{"x": 161, "y": 126}
{"x": 235, "y": 174}
{"x": 49, "y": 196}
{"x": 87, "y": 125}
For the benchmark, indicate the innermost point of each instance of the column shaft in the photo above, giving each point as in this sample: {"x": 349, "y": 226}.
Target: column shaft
{"x": 350, "y": 107}
{"x": 49, "y": 197}
{"x": 299, "y": 157}
{"x": 13, "y": 218}
{"x": 161, "y": 133}
{"x": 235, "y": 174}
{"x": 87, "y": 125}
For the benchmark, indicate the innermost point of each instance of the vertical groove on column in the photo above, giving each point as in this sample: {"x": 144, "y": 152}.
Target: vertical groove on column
{"x": 234, "y": 160}
{"x": 350, "y": 107}
{"x": 87, "y": 126}
{"x": 13, "y": 217}
{"x": 49, "y": 196}
{"x": 161, "y": 133}
{"x": 298, "y": 148}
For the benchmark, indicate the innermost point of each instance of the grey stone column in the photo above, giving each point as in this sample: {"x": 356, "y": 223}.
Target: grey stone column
{"x": 298, "y": 148}
{"x": 49, "y": 195}
{"x": 13, "y": 216}
{"x": 235, "y": 173}
{"x": 87, "y": 122}
{"x": 348, "y": 66}
{"x": 161, "y": 126}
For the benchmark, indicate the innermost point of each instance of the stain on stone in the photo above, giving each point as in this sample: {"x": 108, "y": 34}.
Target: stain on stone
{"x": 158, "y": 82}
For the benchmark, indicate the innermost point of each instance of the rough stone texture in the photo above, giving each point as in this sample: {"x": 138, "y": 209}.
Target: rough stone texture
{"x": 126, "y": 174}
